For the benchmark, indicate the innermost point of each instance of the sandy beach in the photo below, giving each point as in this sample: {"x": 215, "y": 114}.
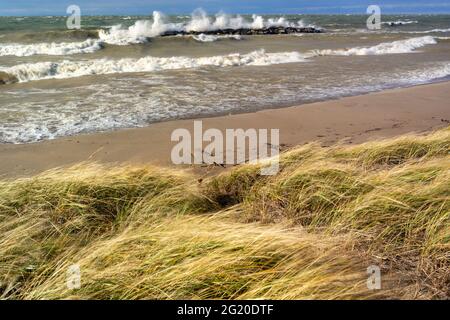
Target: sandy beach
{"x": 349, "y": 120}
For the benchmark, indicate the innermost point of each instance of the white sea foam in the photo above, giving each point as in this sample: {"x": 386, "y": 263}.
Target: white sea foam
{"x": 212, "y": 38}
{"x": 427, "y": 74}
{"x": 111, "y": 104}
{"x": 199, "y": 22}
{"x": 70, "y": 69}
{"x": 399, "y": 22}
{"x": 140, "y": 31}
{"x": 63, "y": 48}
{"x": 429, "y": 31}
{"x": 395, "y": 47}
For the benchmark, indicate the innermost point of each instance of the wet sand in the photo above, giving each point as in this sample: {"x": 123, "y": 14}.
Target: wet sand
{"x": 348, "y": 120}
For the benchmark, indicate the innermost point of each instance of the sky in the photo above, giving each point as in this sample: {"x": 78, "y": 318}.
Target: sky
{"x": 145, "y": 7}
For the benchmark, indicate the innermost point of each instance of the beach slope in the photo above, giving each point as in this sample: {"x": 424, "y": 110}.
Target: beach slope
{"x": 349, "y": 120}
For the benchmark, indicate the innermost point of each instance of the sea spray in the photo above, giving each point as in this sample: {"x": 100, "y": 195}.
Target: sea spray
{"x": 200, "y": 22}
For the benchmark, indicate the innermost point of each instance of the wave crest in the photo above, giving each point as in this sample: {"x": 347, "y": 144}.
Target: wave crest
{"x": 63, "y": 48}
{"x": 212, "y": 38}
{"x": 70, "y": 69}
{"x": 395, "y": 47}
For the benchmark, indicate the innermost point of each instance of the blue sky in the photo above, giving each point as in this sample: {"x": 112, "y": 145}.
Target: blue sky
{"x": 144, "y": 7}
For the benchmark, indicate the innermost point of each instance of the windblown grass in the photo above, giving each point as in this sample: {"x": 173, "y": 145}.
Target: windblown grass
{"x": 309, "y": 232}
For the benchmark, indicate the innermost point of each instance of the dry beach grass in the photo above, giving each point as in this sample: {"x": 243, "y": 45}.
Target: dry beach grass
{"x": 310, "y": 232}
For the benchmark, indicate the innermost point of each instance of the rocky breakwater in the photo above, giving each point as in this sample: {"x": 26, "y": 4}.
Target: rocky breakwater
{"x": 247, "y": 32}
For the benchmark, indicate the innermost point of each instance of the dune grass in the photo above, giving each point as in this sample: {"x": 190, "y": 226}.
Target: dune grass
{"x": 309, "y": 232}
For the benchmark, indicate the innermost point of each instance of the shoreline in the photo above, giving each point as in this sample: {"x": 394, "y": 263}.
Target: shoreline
{"x": 351, "y": 120}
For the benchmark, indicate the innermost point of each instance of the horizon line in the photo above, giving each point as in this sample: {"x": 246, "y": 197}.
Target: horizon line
{"x": 234, "y": 13}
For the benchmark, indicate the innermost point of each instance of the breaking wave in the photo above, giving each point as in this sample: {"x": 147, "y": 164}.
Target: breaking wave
{"x": 432, "y": 31}
{"x": 399, "y": 22}
{"x": 70, "y": 69}
{"x": 212, "y": 38}
{"x": 395, "y": 47}
{"x": 64, "y": 48}
{"x": 199, "y": 22}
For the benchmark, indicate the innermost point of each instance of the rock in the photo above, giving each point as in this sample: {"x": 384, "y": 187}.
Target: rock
{"x": 6, "y": 78}
{"x": 243, "y": 31}
{"x": 396, "y": 24}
